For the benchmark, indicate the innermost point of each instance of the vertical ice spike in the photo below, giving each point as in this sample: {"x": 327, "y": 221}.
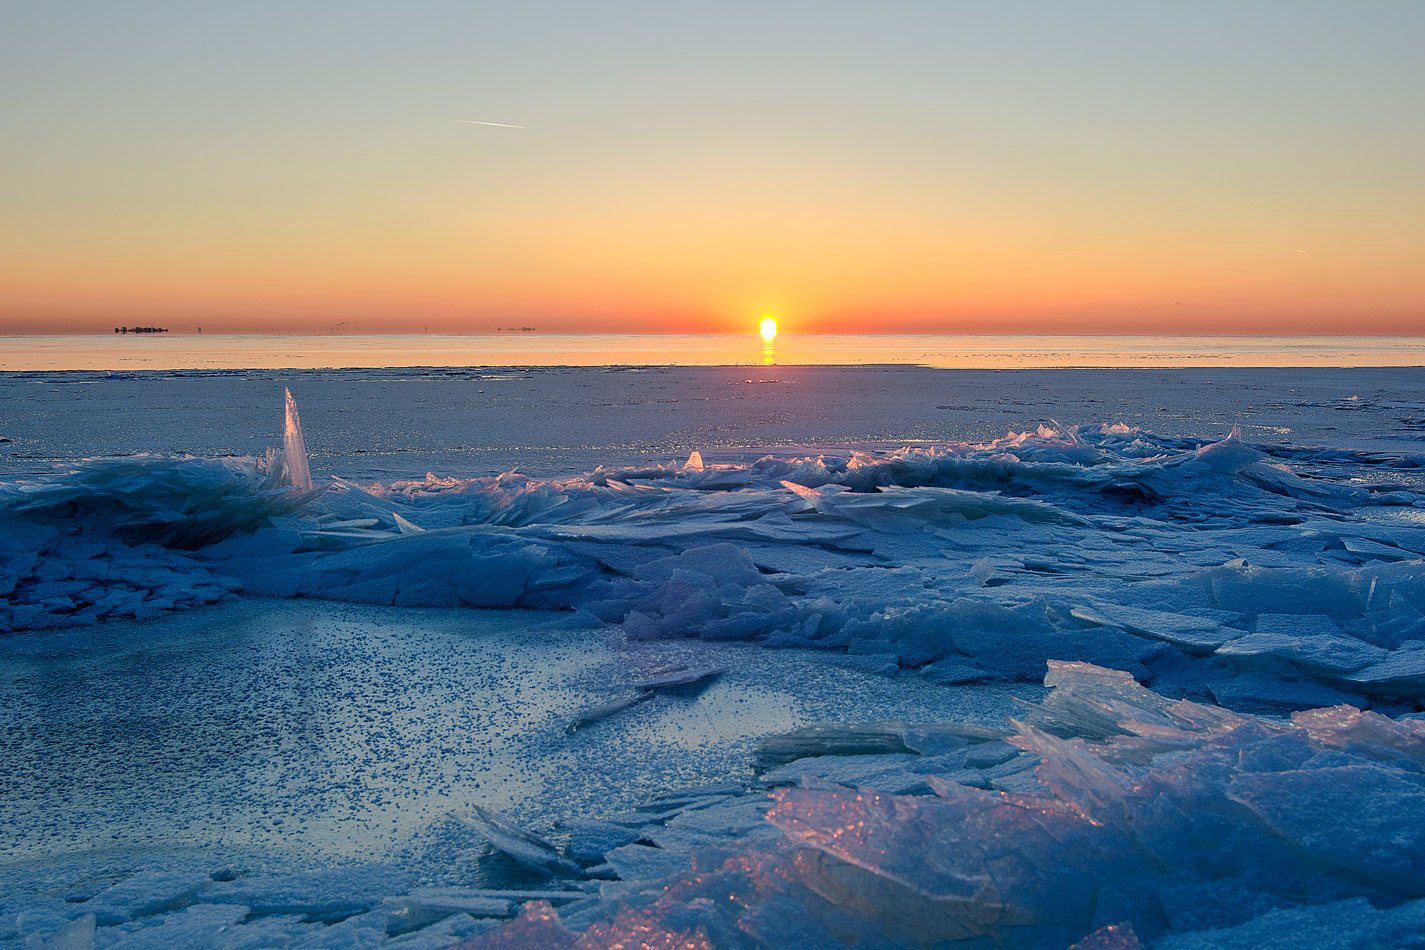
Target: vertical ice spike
{"x": 299, "y": 474}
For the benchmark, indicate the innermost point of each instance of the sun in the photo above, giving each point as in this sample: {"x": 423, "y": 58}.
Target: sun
{"x": 768, "y": 329}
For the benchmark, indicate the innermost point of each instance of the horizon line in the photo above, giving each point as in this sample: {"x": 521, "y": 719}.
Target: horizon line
{"x": 1152, "y": 334}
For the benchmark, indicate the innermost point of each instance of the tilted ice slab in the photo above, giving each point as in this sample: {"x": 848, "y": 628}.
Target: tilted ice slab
{"x": 1206, "y": 569}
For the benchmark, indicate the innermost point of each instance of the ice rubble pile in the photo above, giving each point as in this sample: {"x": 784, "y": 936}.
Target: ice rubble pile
{"x": 121, "y": 537}
{"x": 1106, "y": 814}
{"x": 1210, "y": 566}
{"x": 1106, "y": 810}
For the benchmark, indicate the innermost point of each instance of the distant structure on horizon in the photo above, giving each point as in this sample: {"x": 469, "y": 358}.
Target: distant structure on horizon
{"x": 142, "y": 330}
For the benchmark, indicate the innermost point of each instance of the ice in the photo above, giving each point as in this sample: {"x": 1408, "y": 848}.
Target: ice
{"x": 418, "y": 910}
{"x": 591, "y": 839}
{"x": 604, "y": 710}
{"x": 982, "y": 571}
{"x": 1112, "y": 937}
{"x": 1380, "y": 843}
{"x": 297, "y": 471}
{"x": 839, "y": 740}
{"x": 77, "y": 934}
{"x": 192, "y": 926}
{"x": 446, "y": 932}
{"x": 1333, "y": 656}
{"x": 187, "y": 903}
{"x": 1206, "y": 567}
{"x": 1245, "y": 584}
{"x": 832, "y": 739}
{"x": 145, "y": 895}
{"x": 537, "y": 926}
{"x": 1197, "y": 634}
{"x": 322, "y": 896}
{"x": 1141, "y": 818}
{"x": 680, "y": 677}
{"x": 509, "y": 838}
{"x": 1402, "y": 672}
{"x": 403, "y": 525}
{"x": 636, "y": 862}
{"x": 1345, "y": 925}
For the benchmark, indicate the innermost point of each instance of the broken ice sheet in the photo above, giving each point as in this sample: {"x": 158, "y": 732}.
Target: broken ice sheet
{"x": 913, "y": 553}
{"x": 1140, "y": 803}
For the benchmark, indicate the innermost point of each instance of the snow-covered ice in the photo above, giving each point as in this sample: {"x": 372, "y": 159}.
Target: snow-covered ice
{"x": 389, "y": 424}
{"x": 1232, "y": 620}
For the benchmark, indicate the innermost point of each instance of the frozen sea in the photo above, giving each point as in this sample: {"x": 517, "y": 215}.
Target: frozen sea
{"x": 398, "y": 423}
{"x": 712, "y": 656}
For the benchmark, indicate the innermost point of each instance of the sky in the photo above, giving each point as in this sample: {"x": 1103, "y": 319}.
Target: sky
{"x": 689, "y": 166}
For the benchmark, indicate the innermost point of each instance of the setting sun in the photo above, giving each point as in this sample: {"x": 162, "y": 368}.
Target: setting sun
{"x": 768, "y": 329}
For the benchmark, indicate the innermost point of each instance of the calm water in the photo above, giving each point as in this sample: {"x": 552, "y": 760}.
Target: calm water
{"x": 214, "y": 351}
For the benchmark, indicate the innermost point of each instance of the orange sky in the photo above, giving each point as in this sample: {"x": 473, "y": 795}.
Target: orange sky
{"x": 1030, "y": 168}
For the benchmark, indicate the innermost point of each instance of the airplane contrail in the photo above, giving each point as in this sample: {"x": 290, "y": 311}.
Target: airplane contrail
{"x": 498, "y": 125}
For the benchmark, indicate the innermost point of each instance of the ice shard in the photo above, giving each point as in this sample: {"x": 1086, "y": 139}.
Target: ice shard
{"x": 299, "y": 473}
{"x": 527, "y": 848}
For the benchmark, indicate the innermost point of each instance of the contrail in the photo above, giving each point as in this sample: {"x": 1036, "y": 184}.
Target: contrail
{"x": 498, "y": 125}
